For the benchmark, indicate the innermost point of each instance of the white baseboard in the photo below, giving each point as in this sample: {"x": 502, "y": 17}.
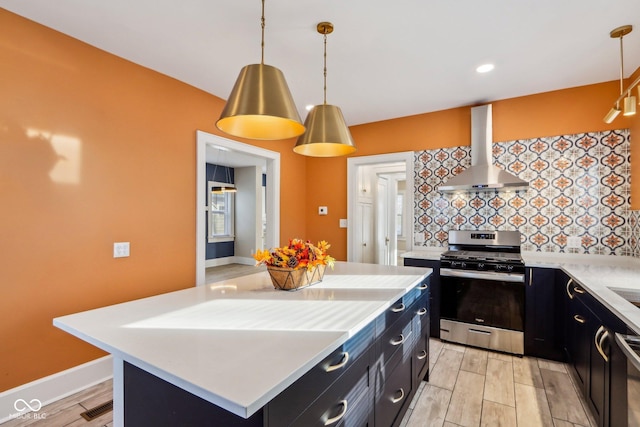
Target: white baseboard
{"x": 216, "y": 262}
{"x": 49, "y": 389}
{"x": 244, "y": 260}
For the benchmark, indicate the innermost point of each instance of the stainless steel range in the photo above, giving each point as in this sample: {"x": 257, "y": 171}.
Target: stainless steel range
{"x": 482, "y": 290}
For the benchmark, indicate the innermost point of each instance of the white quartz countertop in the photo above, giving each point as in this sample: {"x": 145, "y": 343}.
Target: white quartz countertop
{"x": 238, "y": 343}
{"x": 603, "y": 276}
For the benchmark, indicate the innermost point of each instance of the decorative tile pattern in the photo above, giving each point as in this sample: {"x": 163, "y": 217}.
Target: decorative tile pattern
{"x": 634, "y": 240}
{"x": 579, "y": 194}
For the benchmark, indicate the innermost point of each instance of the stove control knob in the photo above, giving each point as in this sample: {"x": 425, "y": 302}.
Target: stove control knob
{"x": 510, "y": 267}
{"x": 500, "y": 267}
{"x": 463, "y": 265}
{"x": 481, "y": 266}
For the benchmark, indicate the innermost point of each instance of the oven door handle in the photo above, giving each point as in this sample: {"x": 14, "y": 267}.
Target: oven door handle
{"x": 486, "y": 275}
{"x": 632, "y": 356}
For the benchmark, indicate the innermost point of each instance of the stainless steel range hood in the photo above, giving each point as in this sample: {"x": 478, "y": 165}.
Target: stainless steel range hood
{"x": 482, "y": 175}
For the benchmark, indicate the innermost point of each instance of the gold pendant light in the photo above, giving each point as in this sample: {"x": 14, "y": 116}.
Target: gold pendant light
{"x": 629, "y": 104}
{"x": 260, "y": 105}
{"x": 327, "y": 134}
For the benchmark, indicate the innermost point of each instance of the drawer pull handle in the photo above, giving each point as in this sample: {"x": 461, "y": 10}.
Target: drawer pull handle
{"x": 569, "y": 291}
{"x": 422, "y": 355}
{"x": 398, "y": 399}
{"x": 579, "y": 318}
{"x": 345, "y": 359}
{"x": 598, "y": 342}
{"x": 578, "y": 290}
{"x": 423, "y": 287}
{"x": 398, "y": 309}
{"x": 398, "y": 342}
{"x": 339, "y": 416}
{"x": 422, "y": 311}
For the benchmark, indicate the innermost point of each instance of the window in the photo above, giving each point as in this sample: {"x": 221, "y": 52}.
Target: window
{"x": 220, "y": 214}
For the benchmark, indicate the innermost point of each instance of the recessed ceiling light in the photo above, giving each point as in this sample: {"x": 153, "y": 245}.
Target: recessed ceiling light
{"x": 485, "y": 68}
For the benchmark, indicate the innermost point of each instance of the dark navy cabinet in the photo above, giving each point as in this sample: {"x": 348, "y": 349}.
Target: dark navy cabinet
{"x": 434, "y": 294}
{"x": 543, "y": 312}
{"x": 402, "y": 355}
{"x": 598, "y": 363}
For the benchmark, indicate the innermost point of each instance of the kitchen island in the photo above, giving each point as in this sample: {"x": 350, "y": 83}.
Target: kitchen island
{"x": 232, "y": 347}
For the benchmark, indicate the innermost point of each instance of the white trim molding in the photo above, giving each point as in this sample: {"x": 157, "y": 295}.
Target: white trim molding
{"x": 217, "y": 262}
{"x": 26, "y": 401}
{"x": 272, "y": 158}
{"x": 353, "y": 163}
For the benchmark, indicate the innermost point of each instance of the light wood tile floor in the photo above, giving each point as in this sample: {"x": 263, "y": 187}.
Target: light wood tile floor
{"x": 468, "y": 387}
{"x": 66, "y": 412}
{"x": 473, "y": 387}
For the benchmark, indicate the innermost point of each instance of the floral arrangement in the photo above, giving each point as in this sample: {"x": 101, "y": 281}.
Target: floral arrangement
{"x": 297, "y": 255}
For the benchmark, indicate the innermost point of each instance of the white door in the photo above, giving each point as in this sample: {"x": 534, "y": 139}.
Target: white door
{"x": 364, "y": 233}
{"x": 382, "y": 221}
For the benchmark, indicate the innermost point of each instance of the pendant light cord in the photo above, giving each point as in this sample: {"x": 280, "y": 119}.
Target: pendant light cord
{"x": 325, "y": 68}
{"x": 621, "y": 68}
{"x": 262, "y": 40}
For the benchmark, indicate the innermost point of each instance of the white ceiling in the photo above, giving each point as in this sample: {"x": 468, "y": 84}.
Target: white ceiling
{"x": 386, "y": 59}
{"x": 235, "y": 159}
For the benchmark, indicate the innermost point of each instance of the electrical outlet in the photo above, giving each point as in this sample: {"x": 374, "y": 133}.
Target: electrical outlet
{"x": 344, "y": 223}
{"x": 120, "y": 249}
{"x": 323, "y": 210}
{"x": 574, "y": 242}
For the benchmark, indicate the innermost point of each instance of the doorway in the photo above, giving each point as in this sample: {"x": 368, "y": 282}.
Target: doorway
{"x": 380, "y": 207}
{"x": 238, "y": 155}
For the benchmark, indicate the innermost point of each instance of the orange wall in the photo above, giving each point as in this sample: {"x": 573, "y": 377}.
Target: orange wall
{"x": 568, "y": 111}
{"x": 133, "y": 131}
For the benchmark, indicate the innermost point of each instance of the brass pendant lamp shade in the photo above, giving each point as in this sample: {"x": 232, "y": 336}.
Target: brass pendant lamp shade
{"x": 327, "y": 134}
{"x": 260, "y": 105}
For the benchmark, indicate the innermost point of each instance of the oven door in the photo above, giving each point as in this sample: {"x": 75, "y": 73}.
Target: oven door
{"x": 483, "y": 298}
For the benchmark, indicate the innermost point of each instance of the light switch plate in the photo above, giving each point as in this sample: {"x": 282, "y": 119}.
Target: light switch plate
{"x": 343, "y": 223}
{"x": 323, "y": 210}
{"x": 120, "y": 249}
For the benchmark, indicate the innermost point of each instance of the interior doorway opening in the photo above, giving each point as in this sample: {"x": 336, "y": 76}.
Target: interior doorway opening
{"x": 257, "y": 205}
{"x": 380, "y": 208}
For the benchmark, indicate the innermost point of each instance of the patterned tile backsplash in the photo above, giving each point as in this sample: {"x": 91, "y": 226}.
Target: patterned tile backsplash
{"x": 578, "y": 200}
{"x": 634, "y": 240}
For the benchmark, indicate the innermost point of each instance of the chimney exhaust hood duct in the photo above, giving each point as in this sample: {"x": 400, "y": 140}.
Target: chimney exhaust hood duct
{"x": 482, "y": 175}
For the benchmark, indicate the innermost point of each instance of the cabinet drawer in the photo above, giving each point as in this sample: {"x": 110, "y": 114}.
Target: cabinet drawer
{"x": 392, "y": 393}
{"x": 299, "y": 395}
{"x": 420, "y": 329}
{"x": 397, "y": 310}
{"x": 421, "y": 309}
{"x": 421, "y": 350}
{"x": 347, "y": 402}
{"x": 397, "y": 337}
{"x": 402, "y": 305}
